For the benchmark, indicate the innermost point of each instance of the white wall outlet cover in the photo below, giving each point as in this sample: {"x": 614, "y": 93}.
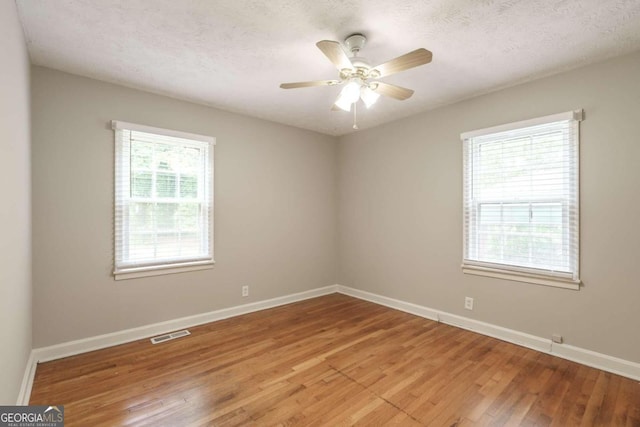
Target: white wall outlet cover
{"x": 468, "y": 303}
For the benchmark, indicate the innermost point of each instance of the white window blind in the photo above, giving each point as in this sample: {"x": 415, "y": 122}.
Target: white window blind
{"x": 163, "y": 199}
{"x": 521, "y": 209}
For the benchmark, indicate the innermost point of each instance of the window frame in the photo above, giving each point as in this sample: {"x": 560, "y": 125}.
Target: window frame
{"x": 132, "y": 270}
{"x": 510, "y": 271}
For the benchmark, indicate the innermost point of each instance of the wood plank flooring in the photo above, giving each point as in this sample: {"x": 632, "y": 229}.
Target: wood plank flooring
{"x": 333, "y": 361}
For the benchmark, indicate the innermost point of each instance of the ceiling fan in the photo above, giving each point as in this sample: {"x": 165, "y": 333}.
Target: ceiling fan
{"x": 360, "y": 77}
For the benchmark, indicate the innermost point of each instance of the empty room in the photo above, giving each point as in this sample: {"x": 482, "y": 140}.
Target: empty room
{"x": 416, "y": 213}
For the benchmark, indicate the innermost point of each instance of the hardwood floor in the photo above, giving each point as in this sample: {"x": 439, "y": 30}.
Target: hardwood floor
{"x": 332, "y": 360}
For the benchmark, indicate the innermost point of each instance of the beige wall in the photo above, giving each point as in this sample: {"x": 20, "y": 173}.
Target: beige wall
{"x": 400, "y": 203}
{"x": 15, "y": 209}
{"x": 275, "y": 210}
{"x": 384, "y": 205}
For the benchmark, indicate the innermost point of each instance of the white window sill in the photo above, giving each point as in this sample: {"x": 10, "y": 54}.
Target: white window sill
{"x": 134, "y": 273}
{"x": 521, "y": 277}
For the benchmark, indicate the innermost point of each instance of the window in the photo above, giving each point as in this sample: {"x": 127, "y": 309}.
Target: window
{"x": 520, "y": 202}
{"x": 163, "y": 201}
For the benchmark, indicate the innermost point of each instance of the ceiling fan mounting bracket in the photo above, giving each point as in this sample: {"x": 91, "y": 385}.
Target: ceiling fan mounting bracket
{"x": 355, "y": 42}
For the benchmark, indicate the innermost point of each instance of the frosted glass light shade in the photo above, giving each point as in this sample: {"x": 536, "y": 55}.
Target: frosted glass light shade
{"x": 343, "y": 104}
{"x": 368, "y": 96}
{"x": 349, "y": 94}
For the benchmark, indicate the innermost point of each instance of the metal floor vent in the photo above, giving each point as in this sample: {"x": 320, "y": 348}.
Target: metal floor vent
{"x": 168, "y": 337}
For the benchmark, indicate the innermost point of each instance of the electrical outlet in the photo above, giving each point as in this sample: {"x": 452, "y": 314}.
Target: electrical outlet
{"x": 245, "y": 291}
{"x": 468, "y": 303}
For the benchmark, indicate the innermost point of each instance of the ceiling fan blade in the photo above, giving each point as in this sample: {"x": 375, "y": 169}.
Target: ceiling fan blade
{"x": 310, "y": 84}
{"x": 392, "y": 91}
{"x": 409, "y": 60}
{"x": 335, "y": 53}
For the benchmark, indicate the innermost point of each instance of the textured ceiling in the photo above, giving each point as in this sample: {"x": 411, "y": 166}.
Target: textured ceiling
{"x": 233, "y": 54}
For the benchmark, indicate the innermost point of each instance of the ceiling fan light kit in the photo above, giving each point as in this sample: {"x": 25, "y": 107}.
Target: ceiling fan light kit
{"x": 357, "y": 74}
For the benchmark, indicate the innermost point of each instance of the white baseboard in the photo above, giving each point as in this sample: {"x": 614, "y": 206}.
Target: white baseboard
{"x": 509, "y": 335}
{"x": 586, "y": 357}
{"x": 84, "y": 345}
{"x": 27, "y": 380}
{"x": 71, "y": 348}
{"x": 407, "y": 307}
{"x": 594, "y": 359}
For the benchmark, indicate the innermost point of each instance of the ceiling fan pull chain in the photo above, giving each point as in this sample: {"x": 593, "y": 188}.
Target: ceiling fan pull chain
{"x": 355, "y": 124}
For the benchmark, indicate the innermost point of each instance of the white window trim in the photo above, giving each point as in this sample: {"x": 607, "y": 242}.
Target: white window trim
{"x": 160, "y": 270}
{"x": 577, "y": 115}
{"x": 514, "y": 273}
{"x": 117, "y": 124}
{"x": 124, "y": 273}
{"x": 524, "y": 277}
